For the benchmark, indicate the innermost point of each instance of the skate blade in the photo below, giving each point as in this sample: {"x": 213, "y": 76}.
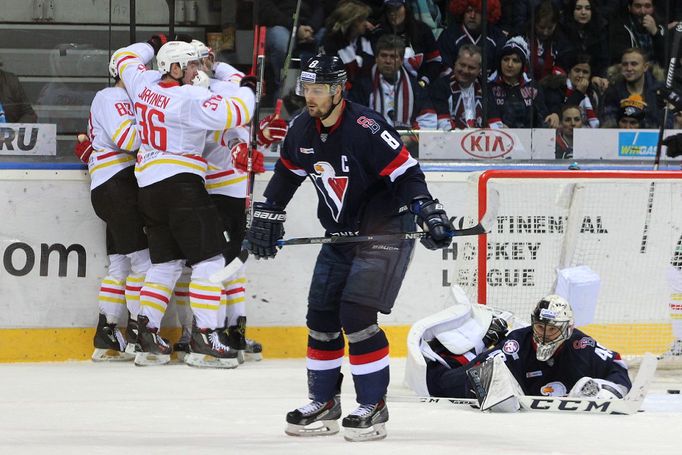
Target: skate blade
{"x": 319, "y": 428}
{"x": 253, "y": 356}
{"x": 111, "y": 355}
{"x": 373, "y": 433}
{"x": 206, "y": 361}
{"x": 146, "y": 359}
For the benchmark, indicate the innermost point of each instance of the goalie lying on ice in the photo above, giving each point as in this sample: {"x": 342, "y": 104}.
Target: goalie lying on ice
{"x": 448, "y": 356}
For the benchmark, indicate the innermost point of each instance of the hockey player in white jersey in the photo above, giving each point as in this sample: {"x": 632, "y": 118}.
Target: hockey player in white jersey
{"x": 111, "y": 158}
{"x": 182, "y": 223}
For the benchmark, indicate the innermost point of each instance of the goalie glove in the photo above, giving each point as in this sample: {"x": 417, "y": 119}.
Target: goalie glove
{"x": 83, "y": 148}
{"x": 673, "y": 145}
{"x": 600, "y": 389}
{"x": 267, "y": 226}
{"x": 434, "y": 221}
{"x": 272, "y": 129}
{"x": 240, "y": 158}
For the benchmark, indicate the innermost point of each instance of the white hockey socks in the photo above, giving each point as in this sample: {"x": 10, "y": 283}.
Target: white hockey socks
{"x": 139, "y": 265}
{"x": 204, "y": 295}
{"x": 157, "y": 289}
{"x": 674, "y": 276}
{"x": 111, "y": 298}
{"x": 235, "y": 298}
{"x": 181, "y": 299}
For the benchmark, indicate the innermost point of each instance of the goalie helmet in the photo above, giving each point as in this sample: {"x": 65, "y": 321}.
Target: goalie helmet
{"x": 176, "y": 52}
{"x": 323, "y": 69}
{"x": 552, "y": 324}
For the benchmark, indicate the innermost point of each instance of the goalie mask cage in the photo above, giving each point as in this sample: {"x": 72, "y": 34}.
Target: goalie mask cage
{"x": 624, "y": 225}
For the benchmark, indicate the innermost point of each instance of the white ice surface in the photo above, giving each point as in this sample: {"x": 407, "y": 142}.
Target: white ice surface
{"x": 87, "y": 408}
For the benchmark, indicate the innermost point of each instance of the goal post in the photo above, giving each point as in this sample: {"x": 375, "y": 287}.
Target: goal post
{"x": 623, "y": 225}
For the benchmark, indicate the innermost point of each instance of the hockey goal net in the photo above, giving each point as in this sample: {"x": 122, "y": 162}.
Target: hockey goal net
{"x": 623, "y": 225}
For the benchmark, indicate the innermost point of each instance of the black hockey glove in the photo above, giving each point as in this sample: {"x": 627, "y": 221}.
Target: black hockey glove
{"x": 432, "y": 218}
{"x": 496, "y": 331}
{"x": 674, "y": 144}
{"x": 665, "y": 96}
{"x": 267, "y": 227}
{"x": 250, "y": 82}
{"x": 156, "y": 41}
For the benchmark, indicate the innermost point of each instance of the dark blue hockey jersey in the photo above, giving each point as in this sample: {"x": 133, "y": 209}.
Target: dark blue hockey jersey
{"x": 579, "y": 356}
{"x": 361, "y": 170}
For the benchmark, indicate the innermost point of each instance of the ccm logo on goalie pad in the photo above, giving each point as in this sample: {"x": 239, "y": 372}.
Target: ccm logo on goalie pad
{"x": 270, "y": 216}
{"x": 569, "y": 405}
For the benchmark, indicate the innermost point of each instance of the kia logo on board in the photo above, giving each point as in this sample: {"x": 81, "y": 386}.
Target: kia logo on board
{"x": 487, "y": 143}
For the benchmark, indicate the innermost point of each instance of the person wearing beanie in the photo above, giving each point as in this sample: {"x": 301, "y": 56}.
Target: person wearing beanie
{"x": 515, "y": 101}
{"x": 467, "y": 29}
{"x": 632, "y": 112}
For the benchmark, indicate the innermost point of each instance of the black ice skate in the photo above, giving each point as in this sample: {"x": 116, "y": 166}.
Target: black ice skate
{"x": 317, "y": 418}
{"x": 153, "y": 350}
{"x": 131, "y": 336}
{"x": 181, "y": 348}
{"x": 208, "y": 351}
{"x": 247, "y": 349}
{"x": 110, "y": 346}
{"x": 366, "y": 423}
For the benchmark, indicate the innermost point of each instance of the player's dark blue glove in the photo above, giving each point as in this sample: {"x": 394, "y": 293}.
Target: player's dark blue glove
{"x": 434, "y": 221}
{"x": 267, "y": 227}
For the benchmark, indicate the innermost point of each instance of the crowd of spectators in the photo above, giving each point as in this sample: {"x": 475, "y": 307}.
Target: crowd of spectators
{"x": 446, "y": 64}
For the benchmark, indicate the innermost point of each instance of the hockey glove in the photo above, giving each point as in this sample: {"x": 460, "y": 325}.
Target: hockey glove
{"x": 249, "y": 81}
{"x": 267, "y": 227}
{"x": 665, "y": 96}
{"x": 184, "y": 37}
{"x": 434, "y": 221}
{"x": 240, "y": 158}
{"x": 674, "y": 145}
{"x": 600, "y": 389}
{"x": 156, "y": 41}
{"x": 496, "y": 331}
{"x": 83, "y": 148}
{"x": 272, "y": 129}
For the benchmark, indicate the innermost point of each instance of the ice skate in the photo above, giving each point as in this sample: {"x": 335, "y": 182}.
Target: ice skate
{"x": 131, "y": 337}
{"x": 247, "y": 349}
{"x": 675, "y": 351}
{"x": 153, "y": 350}
{"x": 181, "y": 348}
{"x": 366, "y": 423}
{"x": 110, "y": 346}
{"x": 207, "y": 351}
{"x": 315, "y": 419}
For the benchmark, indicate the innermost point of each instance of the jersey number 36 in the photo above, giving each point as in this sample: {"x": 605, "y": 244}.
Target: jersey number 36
{"x": 150, "y": 122}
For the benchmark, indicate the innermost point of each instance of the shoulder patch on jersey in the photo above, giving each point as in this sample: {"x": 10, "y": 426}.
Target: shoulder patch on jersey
{"x": 369, "y": 123}
{"x": 510, "y": 347}
{"x": 553, "y": 389}
{"x": 584, "y": 342}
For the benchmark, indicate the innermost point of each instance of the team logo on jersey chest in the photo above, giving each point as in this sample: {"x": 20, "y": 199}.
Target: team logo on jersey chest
{"x": 332, "y": 188}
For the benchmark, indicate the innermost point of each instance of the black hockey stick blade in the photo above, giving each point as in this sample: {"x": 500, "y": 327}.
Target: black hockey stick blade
{"x": 230, "y": 269}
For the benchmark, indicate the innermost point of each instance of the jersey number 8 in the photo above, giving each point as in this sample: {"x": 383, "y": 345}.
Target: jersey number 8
{"x": 151, "y": 133}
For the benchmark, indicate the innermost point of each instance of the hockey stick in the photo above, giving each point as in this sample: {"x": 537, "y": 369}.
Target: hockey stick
{"x": 290, "y": 47}
{"x": 631, "y": 404}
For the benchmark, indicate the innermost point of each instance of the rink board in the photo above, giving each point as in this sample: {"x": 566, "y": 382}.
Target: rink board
{"x": 53, "y": 257}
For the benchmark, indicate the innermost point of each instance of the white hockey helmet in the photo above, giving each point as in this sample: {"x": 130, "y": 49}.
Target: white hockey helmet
{"x": 552, "y": 324}
{"x": 113, "y": 70}
{"x": 202, "y": 49}
{"x": 176, "y": 52}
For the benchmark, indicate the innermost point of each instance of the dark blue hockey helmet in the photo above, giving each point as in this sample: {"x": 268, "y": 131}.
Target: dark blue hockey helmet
{"x": 323, "y": 69}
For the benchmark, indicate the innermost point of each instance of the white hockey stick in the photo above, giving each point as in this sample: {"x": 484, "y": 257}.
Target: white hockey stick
{"x": 628, "y": 405}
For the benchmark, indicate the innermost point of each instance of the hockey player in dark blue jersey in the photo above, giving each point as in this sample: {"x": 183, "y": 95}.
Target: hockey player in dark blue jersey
{"x": 548, "y": 358}
{"x": 367, "y": 183}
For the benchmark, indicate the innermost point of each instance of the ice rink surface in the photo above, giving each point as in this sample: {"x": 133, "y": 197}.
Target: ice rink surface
{"x": 88, "y": 408}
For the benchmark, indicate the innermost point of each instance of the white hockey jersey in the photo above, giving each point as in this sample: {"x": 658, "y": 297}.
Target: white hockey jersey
{"x": 173, "y": 120}
{"x": 111, "y": 128}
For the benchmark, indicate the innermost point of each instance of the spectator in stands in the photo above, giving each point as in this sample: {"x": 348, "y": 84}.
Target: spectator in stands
{"x": 631, "y": 115}
{"x": 574, "y": 89}
{"x": 467, "y": 29}
{"x": 634, "y": 79}
{"x": 390, "y": 89}
{"x": 429, "y": 13}
{"x": 585, "y": 29}
{"x": 506, "y": 22}
{"x": 457, "y": 97}
{"x": 277, "y": 15}
{"x": 422, "y": 57}
{"x": 638, "y": 26}
{"x": 549, "y": 48}
{"x": 571, "y": 118}
{"x": 514, "y": 99}
{"x": 522, "y": 11}
{"x": 14, "y": 104}
{"x": 346, "y": 29}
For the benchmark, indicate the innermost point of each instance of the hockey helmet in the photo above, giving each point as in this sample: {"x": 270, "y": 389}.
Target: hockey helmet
{"x": 176, "y": 52}
{"x": 201, "y": 48}
{"x": 113, "y": 70}
{"x": 552, "y": 324}
{"x": 323, "y": 69}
